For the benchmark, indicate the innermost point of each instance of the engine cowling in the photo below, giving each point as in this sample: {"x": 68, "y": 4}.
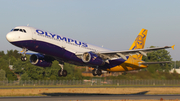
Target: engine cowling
{"x": 92, "y": 58}
{"x": 40, "y": 60}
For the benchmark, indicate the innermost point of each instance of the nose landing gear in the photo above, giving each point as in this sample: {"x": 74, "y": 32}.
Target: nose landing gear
{"x": 23, "y": 58}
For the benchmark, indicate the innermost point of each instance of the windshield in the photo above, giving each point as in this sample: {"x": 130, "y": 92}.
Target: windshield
{"x": 21, "y": 30}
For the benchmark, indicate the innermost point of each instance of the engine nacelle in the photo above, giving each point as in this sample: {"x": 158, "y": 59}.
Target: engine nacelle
{"x": 40, "y": 60}
{"x": 92, "y": 58}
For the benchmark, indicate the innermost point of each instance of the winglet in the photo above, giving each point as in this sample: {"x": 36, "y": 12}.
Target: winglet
{"x": 172, "y": 47}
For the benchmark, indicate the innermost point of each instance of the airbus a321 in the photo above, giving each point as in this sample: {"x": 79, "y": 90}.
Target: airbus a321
{"x": 49, "y": 47}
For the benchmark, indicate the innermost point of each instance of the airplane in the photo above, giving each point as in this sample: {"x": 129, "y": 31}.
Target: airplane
{"x": 50, "y": 47}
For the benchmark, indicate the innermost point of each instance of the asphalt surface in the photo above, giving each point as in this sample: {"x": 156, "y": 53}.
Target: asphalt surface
{"x": 83, "y": 97}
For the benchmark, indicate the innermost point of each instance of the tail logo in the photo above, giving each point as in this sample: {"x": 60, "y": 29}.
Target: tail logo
{"x": 139, "y": 43}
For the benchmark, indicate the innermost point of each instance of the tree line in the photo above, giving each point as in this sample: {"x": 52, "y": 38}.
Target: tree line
{"x": 27, "y": 71}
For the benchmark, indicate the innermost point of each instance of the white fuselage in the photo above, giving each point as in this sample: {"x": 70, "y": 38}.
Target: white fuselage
{"x": 68, "y": 44}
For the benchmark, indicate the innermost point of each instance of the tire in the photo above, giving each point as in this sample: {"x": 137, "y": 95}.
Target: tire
{"x": 23, "y": 58}
{"x": 59, "y": 73}
{"x": 64, "y": 73}
{"x": 99, "y": 72}
{"x": 93, "y": 72}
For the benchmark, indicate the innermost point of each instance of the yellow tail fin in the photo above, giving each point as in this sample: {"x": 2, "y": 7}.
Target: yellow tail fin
{"x": 139, "y": 42}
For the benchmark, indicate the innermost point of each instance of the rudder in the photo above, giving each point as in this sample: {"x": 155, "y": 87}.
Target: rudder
{"x": 139, "y": 42}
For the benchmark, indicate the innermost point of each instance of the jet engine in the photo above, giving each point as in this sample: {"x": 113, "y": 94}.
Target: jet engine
{"x": 40, "y": 60}
{"x": 92, "y": 58}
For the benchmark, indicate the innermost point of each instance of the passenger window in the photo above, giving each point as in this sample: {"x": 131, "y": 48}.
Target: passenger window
{"x": 24, "y": 30}
{"x": 21, "y": 30}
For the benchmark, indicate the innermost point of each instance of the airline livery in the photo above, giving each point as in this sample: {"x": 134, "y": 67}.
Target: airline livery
{"x": 50, "y": 47}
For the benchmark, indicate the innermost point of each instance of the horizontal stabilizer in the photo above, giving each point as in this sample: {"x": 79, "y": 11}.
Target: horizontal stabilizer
{"x": 147, "y": 63}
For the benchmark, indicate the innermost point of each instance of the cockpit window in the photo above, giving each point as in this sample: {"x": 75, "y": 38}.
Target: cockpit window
{"x": 16, "y": 30}
{"x": 22, "y": 30}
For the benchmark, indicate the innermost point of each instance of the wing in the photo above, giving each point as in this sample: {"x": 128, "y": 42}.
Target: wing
{"x": 117, "y": 54}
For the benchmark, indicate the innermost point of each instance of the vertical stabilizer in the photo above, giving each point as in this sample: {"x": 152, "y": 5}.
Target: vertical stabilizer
{"x": 139, "y": 42}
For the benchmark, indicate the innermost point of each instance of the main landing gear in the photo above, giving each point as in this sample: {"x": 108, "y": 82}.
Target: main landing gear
{"x": 96, "y": 72}
{"x": 23, "y": 58}
{"x": 62, "y": 72}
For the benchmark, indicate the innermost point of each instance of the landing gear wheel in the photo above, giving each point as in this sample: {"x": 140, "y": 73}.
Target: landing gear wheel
{"x": 94, "y": 72}
{"x": 59, "y": 73}
{"x": 99, "y": 72}
{"x": 23, "y": 58}
{"x": 62, "y": 73}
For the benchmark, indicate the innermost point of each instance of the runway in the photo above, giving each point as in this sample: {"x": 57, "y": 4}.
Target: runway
{"x": 84, "y": 97}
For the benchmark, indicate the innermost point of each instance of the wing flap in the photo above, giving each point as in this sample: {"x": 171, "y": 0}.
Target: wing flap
{"x": 136, "y": 51}
{"x": 133, "y": 52}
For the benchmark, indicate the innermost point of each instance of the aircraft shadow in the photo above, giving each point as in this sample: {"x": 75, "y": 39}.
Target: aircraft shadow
{"x": 89, "y": 94}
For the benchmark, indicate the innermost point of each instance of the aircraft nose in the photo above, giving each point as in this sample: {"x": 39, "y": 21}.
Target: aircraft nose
{"x": 9, "y": 37}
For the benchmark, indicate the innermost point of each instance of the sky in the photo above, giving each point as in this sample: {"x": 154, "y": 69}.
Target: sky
{"x": 112, "y": 23}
